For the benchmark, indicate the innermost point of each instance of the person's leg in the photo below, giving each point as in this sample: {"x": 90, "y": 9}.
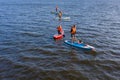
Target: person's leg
{"x": 59, "y": 32}
{"x": 72, "y": 37}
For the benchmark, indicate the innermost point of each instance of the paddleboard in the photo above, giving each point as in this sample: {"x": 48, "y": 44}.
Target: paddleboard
{"x": 79, "y": 45}
{"x": 63, "y": 18}
{"x": 58, "y": 36}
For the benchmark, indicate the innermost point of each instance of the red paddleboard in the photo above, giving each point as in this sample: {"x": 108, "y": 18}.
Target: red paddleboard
{"x": 59, "y": 36}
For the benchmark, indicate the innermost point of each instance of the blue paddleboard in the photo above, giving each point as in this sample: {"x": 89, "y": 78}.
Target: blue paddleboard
{"x": 79, "y": 45}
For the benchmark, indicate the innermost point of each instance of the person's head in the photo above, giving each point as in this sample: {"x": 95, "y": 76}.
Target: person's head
{"x": 60, "y": 11}
{"x": 60, "y": 26}
{"x": 79, "y": 41}
{"x": 74, "y": 25}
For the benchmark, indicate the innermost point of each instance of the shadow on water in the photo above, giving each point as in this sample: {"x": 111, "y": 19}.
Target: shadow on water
{"x": 91, "y": 52}
{"x": 58, "y": 41}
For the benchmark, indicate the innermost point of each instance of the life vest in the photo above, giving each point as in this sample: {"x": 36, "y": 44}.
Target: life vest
{"x": 59, "y": 28}
{"x": 73, "y": 30}
{"x": 60, "y": 14}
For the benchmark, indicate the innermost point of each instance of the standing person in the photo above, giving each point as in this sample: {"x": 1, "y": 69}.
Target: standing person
{"x": 73, "y": 32}
{"x": 59, "y": 29}
{"x": 56, "y": 8}
{"x": 60, "y": 15}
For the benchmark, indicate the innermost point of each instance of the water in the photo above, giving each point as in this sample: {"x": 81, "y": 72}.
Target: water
{"x": 28, "y": 51}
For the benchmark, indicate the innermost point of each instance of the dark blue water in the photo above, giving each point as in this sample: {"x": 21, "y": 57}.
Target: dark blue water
{"x": 29, "y": 52}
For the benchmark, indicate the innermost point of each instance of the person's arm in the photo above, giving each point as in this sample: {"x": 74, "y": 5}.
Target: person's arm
{"x": 71, "y": 30}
